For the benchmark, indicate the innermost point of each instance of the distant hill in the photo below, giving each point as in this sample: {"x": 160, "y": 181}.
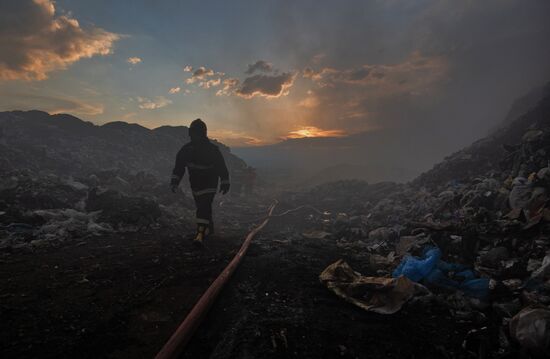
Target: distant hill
{"x": 373, "y": 156}
{"x": 65, "y": 144}
{"x": 371, "y": 174}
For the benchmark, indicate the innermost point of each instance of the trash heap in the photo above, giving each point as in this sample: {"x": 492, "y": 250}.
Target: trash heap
{"x": 38, "y": 210}
{"x": 474, "y": 231}
{"x": 63, "y": 179}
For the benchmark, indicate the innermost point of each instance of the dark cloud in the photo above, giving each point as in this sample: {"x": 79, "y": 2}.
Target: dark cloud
{"x": 34, "y": 40}
{"x": 358, "y": 75}
{"x": 203, "y": 72}
{"x": 269, "y": 86}
{"x": 260, "y": 66}
{"x": 414, "y": 73}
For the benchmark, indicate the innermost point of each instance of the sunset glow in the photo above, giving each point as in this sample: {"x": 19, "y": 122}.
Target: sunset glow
{"x": 258, "y": 81}
{"x": 312, "y": 131}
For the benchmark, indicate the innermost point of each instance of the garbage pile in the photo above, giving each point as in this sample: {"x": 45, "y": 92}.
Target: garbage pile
{"x": 63, "y": 179}
{"x": 474, "y": 230}
{"x": 38, "y": 209}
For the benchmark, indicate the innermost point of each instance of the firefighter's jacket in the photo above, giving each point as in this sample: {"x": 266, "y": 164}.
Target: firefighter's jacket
{"x": 205, "y": 164}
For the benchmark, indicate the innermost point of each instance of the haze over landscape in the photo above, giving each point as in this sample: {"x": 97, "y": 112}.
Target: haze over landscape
{"x": 415, "y": 80}
{"x": 371, "y": 179}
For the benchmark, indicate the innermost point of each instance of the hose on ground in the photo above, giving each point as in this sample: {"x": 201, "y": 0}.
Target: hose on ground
{"x": 175, "y": 345}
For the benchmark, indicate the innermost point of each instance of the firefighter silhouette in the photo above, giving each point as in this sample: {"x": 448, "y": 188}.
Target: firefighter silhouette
{"x": 206, "y": 167}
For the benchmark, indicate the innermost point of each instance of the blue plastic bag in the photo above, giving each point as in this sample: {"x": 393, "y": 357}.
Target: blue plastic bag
{"x": 417, "y": 269}
{"x": 431, "y": 270}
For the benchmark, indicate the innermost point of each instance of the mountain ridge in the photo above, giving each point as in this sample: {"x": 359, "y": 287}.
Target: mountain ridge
{"x": 63, "y": 142}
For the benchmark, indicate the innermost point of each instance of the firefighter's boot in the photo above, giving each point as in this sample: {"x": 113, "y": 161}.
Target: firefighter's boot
{"x": 198, "y": 241}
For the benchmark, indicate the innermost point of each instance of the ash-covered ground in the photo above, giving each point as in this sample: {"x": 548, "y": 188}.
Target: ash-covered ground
{"x": 95, "y": 261}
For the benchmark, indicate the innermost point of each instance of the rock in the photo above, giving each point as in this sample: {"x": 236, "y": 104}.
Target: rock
{"x": 520, "y": 194}
{"x": 543, "y": 271}
{"x": 508, "y": 309}
{"x": 494, "y": 256}
{"x": 531, "y": 329}
{"x": 533, "y": 264}
{"x": 512, "y": 284}
{"x": 532, "y": 135}
{"x": 118, "y": 209}
{"x": 316, "y": 234}
{"x": 382, "y": 234}
{"x": 406, "y": 243}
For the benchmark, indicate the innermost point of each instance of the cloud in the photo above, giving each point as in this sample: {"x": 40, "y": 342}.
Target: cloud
{"x": 235, "y": 138}
{"x": 261, "y": 85}
{"x": 312, "y": 131}
{"x": 269, "y": 86}
{"x": 210, "y": 83}
{"x": 150, "y": 104}
{"x": 414, "y": 73}
{"x": 203, "y": 72}
{"x": 368, "y": 96}
{"x": 78, "y": 107}
{"x": 200, "y": 74}
{"x": 34, "y": 41}
{"x": 260, "y": 66}
{"x": 229, "y": 86}
{"x": 50, "y": 104}
{"x": 133, "y": 60}
{"x": 309, "y": 73}
{"x": 174, "y": 90}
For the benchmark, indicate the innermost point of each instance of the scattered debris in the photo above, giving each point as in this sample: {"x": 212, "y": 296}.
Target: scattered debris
{"x": 379, "y": 295}
{"x": 316, "y": 235}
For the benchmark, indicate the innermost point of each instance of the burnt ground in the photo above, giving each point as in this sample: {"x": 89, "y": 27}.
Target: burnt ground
{"x": 123, "y": 296}
{"x": 116, "y": 297}
{"x": 275, "y": 307}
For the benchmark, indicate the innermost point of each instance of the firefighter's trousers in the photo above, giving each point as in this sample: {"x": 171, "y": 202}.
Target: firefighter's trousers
{"x": 203, "y": 202}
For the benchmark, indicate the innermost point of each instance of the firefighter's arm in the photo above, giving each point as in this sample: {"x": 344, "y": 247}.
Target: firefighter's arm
{"x": 178, "y": 171}
{"x": 223, "y": 173}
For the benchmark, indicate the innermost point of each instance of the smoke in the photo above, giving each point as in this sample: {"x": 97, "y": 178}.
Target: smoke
{"x": 429, "y": 76}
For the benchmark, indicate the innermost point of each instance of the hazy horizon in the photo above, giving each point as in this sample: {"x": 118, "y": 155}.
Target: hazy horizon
{"x": 430, "y": 69}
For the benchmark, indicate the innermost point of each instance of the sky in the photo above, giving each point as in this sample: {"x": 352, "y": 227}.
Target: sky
{"x": 259, "y": 72}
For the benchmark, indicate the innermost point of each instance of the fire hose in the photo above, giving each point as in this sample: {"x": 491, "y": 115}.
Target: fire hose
{"x": 175, "y": 345}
